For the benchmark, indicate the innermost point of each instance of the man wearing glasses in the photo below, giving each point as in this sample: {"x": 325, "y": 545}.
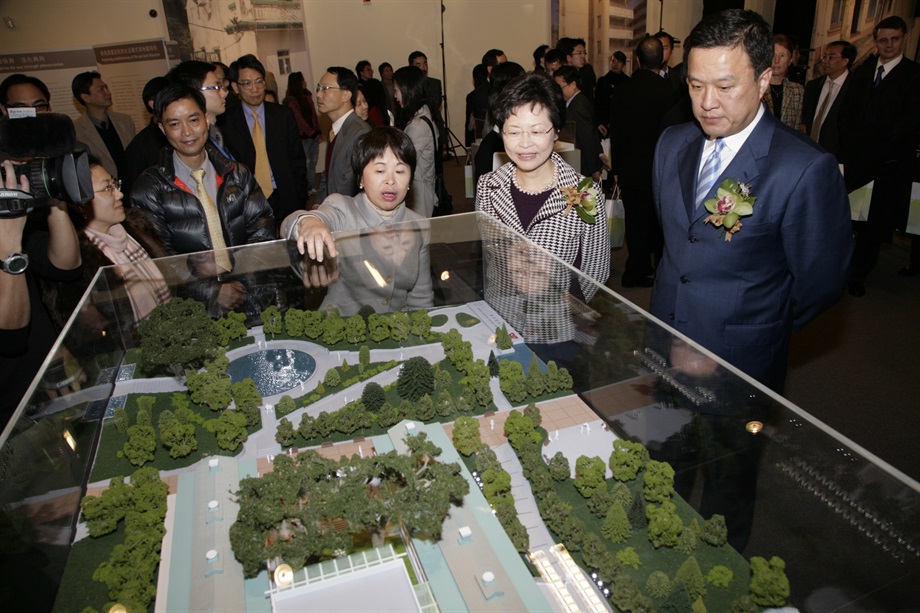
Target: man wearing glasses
{"x": 105, "y": 132}
{"x": 264, "y": 137}
{"x": 879, "y": 122}
{"x": 22, "y": 91}
{"x": 335, "y": 98}
{"x": 821, "y": 104}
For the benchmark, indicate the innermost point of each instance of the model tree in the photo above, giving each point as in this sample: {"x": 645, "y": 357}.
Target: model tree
{"x": 373, "y": 397}
{"x": 659, "y": 481}
{"x": 692, "y": 577}
{"x": 551, "y": 377}
{"x": 141, "y": 445}
{"x": 664, "y": 524}
{"x": 616, "y": 525}
{"x": 294, "y": 323}
{"x": 285, "y": 406}
{"x": 589, "y": 475}
{"x": 627, "y": 459}
{"x": 466, "y": 435}
{"x": 477, "y": 381}
{"x": 424, "y": 409}
{"x": 176, "y": 335}
{"x": 720, "y": 576}
{"x": 333, "y": 328}
{"x": 687, "y": 541}
{"x": 457, "y": 350}
{"x": 629, "y": 557}
{"x": 421, "y": 323}
{"x": 677, "y": 601}
{"x": 313, "y": 324}
{"x": 364, "y": 358}
{"x": 416, "y": 379}
{"x": 230, "y": 429}
{"x": 559, "y": 468}
{"x": 533, "y": 412}
{"x": 536, "y": 384}
{"x": 502, "y": 338}
{"x": 248, "y": 400}
{"x": 355, "y": 329}
{"x": 209, "y": 388}
{"x": 272, "y": 321}
{"x": 493, "y": 365}
{"x": 769, "y": 584}
{"x": 307, "y": 427}
{"x": 120, "y": 418}
{"x": 230, "y": 327}
{"x": 400, "y": 326}
{"x": 496, "y": 484}
{"x": 511, "y": 380}
{"x": 388, "y": 415}
{"x": 333, "y": 379}
{"x": 285, "y": 434}
{"x": 715, "y": 532}
{"x": 378, "y": 327}
{"x": 658, "y": 584}
{"x": 176, "y": 435}
{"x": 520, "y": 431}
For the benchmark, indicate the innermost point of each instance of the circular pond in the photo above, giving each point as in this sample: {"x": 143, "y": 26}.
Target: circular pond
{"x": 274, "y": 371}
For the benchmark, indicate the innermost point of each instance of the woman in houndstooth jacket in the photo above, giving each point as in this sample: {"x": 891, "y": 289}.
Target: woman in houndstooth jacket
{"x": 525, "y": 195}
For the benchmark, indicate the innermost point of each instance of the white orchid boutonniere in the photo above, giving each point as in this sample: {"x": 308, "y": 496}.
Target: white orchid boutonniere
{"x": 584, "y": 198}
{"x": 733, "y": 200}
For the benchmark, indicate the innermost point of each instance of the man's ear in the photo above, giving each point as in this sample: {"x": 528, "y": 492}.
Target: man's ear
{"x": 162, "y": 129}
{"x": 763, "y": 81}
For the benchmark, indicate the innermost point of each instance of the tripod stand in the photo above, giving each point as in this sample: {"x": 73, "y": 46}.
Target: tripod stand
{"x": 453, "y": 143}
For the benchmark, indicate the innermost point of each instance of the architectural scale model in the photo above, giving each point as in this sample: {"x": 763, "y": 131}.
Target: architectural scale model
{"x": 419, "y": 461}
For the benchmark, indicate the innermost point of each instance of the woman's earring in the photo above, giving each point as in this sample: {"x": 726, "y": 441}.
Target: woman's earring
{"x": 361, "y": 185}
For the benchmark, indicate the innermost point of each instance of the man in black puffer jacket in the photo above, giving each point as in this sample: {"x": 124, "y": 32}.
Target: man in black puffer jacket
{"x": 168, "y": 193}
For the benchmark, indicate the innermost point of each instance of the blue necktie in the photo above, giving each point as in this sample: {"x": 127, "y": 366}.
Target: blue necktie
{"x": 878, "y": 75}
{"x": 710, "y": 173}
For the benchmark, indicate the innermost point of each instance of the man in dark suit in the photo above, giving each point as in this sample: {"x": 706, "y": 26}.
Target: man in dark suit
{"x": 604, "y": 90}
{"x": 580, "y": 110}
{"x": 264, "y": 137}
{"x": 576, "y": 54}
{"x": 335, "y": 98}
{"x": 741, "y": 293}
{"x": 739, "y": 298}
{"x": 636, "y": 109}
{"x": 879, "y": 120}
{"x": 821, "y": 104}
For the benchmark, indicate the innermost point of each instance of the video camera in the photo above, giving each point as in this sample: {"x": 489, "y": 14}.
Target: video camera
{"x": 55, "y": 171}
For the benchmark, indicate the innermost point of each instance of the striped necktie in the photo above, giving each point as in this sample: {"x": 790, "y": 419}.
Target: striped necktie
{"x": 212, "y": 216}
{"x": 263, "y": 169}
{"x": 710, "y": 173}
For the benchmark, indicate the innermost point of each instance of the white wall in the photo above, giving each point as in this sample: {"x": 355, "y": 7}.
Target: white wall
{"x": 65, "y": 24}
{"x": 338, "y": 32}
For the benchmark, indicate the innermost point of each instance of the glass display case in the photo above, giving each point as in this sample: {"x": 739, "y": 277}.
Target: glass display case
{"x": 843, "y": 522}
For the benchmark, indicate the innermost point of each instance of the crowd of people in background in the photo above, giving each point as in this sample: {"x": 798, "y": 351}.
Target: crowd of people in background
{"x": 225, "y": 160}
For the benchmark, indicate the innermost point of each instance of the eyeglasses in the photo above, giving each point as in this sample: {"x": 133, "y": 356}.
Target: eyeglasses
{"x": 40, "y": 107}
{"x": 534, "y": 134}
{"x": 326, "y": 88}
{"x": 111, "y": 187}
{"x": 247, "y": 84}
{"x": 212, "y": 88}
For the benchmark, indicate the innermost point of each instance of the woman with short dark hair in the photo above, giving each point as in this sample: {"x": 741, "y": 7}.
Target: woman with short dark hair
{"x": 537, "y": 194}
{"x": 784, "y": 99}
{"x": 395, "y": 254}
{"x": 414, "y": 117}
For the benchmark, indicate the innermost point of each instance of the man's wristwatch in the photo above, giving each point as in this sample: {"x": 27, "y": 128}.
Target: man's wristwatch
{"x": 15, "y": 263}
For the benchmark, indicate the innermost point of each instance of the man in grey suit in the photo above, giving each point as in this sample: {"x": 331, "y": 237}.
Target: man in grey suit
{"x": 335, "y": 98}
{"x": 105, "y": 132}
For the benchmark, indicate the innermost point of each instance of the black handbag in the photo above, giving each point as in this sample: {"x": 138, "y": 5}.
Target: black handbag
{"x": 445, "y": 201}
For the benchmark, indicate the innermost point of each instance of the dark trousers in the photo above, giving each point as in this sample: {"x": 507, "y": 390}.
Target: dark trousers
{"x": 644, "y": 239}
{"x": 887, "y": 211}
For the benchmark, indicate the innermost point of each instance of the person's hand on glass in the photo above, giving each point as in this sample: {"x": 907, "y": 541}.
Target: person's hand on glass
{"x": 313, "y": 238}
{"x": 319, "y": 274}
{"x": 232, "y": 295}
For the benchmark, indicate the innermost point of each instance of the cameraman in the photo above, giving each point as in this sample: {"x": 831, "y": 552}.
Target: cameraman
{"x": 26, "y": 331}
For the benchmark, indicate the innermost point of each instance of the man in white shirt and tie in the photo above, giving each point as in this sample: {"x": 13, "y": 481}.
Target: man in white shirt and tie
{"x": 821, "y": 104}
